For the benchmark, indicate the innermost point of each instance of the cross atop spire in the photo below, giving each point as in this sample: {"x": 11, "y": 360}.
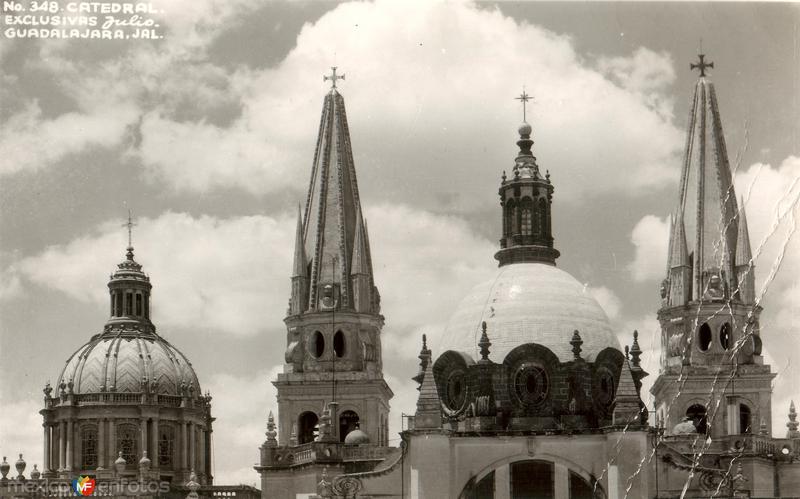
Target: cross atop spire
{"x": 524, "y": 98}
{"x": 702, "y": 65}
{"x": 333, "y": 77}
{"x": 130, "y": 224}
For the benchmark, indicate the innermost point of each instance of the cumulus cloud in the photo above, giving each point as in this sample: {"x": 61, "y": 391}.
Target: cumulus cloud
{"x": 205, "y": 128}
{"x": 650, "y": 237}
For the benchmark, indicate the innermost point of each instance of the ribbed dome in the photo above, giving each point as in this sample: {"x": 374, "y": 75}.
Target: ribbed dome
{"x": 356, "y": 437}
{"x": 121, "y": 362}
{"x": 529, "y": 303}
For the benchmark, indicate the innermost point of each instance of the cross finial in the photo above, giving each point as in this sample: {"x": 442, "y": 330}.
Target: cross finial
{"x": 333, "y": 77}
{"x": 524, "y": 98}
{"x": 702, "y": 65}
{"x": 130, "y": 224}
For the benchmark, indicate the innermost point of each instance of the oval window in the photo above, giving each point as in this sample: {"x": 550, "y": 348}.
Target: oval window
{"x": 531, "y": 384}
{"x": 456, "y": 391}
{"x": 338, "y": 344}
{"x": 317, "y": 344}
{"x": 725, "y": 336}
{"x": 605, "y": 393}
{"x": 704, "y": 337}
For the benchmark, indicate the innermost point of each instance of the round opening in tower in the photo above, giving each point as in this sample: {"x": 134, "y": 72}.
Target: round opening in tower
{"x": 704, "y": 337}
{"x": 338, "y": 344}
{"x": 725, "y": 336}
{"x": 317, "y": 344}
{"x": 531, "y": 384}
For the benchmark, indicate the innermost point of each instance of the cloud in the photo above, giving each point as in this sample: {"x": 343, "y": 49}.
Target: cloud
{"x": 650, "y": 237}
{"x": 241, "y": 405}
{"x": 21, "y": 432}
{"x": 204, "y": 128}
{"x": 608, "y": 300}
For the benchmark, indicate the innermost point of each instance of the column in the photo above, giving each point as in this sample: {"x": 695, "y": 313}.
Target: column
{"x": 46, "y": 463}
{"x": 209, "y": 434}
{"x": 184, "y": 446}
{"x": 502, "y": 482}
{"x": 62, "y": 445}
{"x": 192, "y": 449}
{"x": 613, "y": 482}
{"x": 143, "y": 435}
{"x": 561, "y": 481}
{"x": 101, "y": 442}
{"x": 112, "y": 443}
{"x": 69, "y": 447}
{"x": 154, "y": 444}
{"x": 733, "y": 416}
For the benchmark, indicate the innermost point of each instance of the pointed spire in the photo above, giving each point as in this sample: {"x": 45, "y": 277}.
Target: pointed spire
{"x": 360, "y": 263}
{"x": 484, "y": 345}
{"x": 745, "y": 272}
{"x": 424, "y": 360}
{"x": 429, "y": 407}
{"x": 300, "y": 266}
{"x": 679, "y": 254}
{"x": 626, "y": 403}
{"x": 707, "y": 200}
{"x": 792, "y": 425}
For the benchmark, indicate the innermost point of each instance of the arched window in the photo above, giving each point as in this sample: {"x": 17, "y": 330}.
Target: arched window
{"x": 88, "y": 447}
{"x": 146, "y": 307}
{"x": 704, "y": 337}
{"x": 526, "y": 218}
{"x": 348, "y": 421}
{"x": 697, "y": 414}
{"x": 128, "y": 303}
{"x": 166, "y": 446}
{"x": 317, "y": 346}
{"x": 338, "y": 344}
{"x": 745, "y": 419}
{"x": 139, "y": 304}
{"x": 307, "y": 427}
{"x": 512, "y": 224}
{"x": 725, "y": 336}
{"x": 541, "y": 214}
{"x": 118, "y": 303}
{"x": 127, "y": 437}
{"x": 579, "y": 488}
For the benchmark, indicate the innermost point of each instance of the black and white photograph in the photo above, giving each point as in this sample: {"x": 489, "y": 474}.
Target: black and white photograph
{"x": 417, "y": 249}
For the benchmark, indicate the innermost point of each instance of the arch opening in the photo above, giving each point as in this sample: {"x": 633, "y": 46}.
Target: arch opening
{"x": 307, "y": 427}
{"x": 348, "y": 421}
{"x": 697, "y": 414}
{"x": 745, "y": 419}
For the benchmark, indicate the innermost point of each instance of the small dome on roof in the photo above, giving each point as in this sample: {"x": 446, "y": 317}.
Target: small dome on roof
{"x": 356, "y": 437}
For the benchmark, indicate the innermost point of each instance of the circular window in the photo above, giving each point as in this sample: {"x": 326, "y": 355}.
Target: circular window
{"x": 531, "y": 384}
{"x": 456, "y": 390}
{"x": 605, "y": 386}
{"x": 317, "y": 344}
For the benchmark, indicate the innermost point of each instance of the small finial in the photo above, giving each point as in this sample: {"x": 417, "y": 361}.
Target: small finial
{"x": 424, "y": 359}
{"x": 504, "y": 176}
{"x": 636, "y": 351}
{"x": 271, "y": 433}
{"x": 424, "y": 342}
{"x": 792, "y": 424}
{"x": 627, "y": 352}
{"x": 484, "y": 344}
{"x": 576, "y": 343}
{"x": 333, "y": 77}
{"x": 702, "y": 65}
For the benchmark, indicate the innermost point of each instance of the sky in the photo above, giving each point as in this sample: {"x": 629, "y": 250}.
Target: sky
{"x": 207, "y": 135}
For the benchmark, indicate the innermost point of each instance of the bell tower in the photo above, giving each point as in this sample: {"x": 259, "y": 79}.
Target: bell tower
{"x": 712, "y": 377}
{"x": 332, "y": 382}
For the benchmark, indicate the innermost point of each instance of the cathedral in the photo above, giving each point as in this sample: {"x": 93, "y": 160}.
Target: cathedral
{"x": 529, "y": 393}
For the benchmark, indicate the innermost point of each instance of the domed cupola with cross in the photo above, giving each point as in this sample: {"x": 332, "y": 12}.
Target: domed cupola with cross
{"x": 128, "y": 399}
{"x": 709, "y": 312}
{"x": 333, "y": 351}
{"x": 526, "y": 197}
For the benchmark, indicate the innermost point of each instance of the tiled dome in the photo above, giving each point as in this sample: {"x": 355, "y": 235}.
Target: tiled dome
{"x": 121, "y": 362}
{"x": 529, "y": 303}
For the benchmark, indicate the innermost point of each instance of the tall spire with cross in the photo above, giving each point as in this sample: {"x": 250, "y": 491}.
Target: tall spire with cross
{"x": 333, "y": 349}
{"x": 524, "y": 98}
{"x": 130, "y": 224}
{"x": 702, "y": 65}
